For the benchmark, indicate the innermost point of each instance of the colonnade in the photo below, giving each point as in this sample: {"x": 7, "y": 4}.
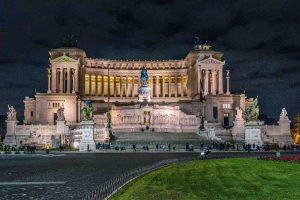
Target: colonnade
{"x": 64, "y": 80}
{"x": 127, "y": 85}
{"x": 212, "y": 81}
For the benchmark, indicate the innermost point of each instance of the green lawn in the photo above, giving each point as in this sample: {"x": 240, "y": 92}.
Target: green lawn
{"x": 235, "y": 178}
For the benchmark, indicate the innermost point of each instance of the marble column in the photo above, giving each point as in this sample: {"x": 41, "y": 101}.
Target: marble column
{"x": 121, "y": 86}
{"x": 199, "y": 81}
{"x": 96, "y": 85}
{"x": 102, "y": 85}
{"x": 156, "y": 86}
{"x": 206, "y": 82}
{"x": 68, "y": 80}
{"x": 133, "y": 88}
{"x": 76, "y": 80}
{"x": 61, "y": 83}
{"x": 220, "y": 73}
{"x": 214, "y": 82}
{"x": 49, "y": 80}
{"x": 228, "y": 78}
{"x": 73, "y": 81}
{"x": 181, "y": 80}
{"x": 163, "y": 86}
{"x": 169, "y": 88}
{"x": 115, "y": 86}
{"x": 90, "y": 84}
{"x": 176, "y": 85}
{"x": 53, "y": 84}
{"x": 126, "y": 88}
{"x": 108, "y": 85}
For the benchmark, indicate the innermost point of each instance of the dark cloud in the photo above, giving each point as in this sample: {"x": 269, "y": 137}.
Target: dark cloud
{"x": 260, "y": 40}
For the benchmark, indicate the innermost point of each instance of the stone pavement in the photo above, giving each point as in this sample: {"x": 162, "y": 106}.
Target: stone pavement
{"x": 81, "y": 172}
{"x": 74, "y": 175}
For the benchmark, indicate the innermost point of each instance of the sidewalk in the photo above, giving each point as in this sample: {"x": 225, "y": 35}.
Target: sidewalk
{"x": 43, "y": 152}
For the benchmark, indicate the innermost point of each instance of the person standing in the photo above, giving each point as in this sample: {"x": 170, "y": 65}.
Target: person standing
{"x": 47, "y": 148}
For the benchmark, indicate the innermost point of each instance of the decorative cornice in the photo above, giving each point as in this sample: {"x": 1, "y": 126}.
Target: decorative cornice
{"x": 211, "y": 60}
{"x": 126, "y": 64}
{"x": 63, "y": 59}
{"x": 129, "y": 72}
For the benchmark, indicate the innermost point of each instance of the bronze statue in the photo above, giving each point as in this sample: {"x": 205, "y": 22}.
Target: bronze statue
{"x": 87, "y": 111}
{"x": 252, "y": 112}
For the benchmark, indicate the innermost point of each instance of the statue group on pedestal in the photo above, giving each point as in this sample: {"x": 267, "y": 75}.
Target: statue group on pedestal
{"x": 11, "y": 114}
{"x": 87, "y": 111}
{"x": 107, "y": 118}
{"x": 283, "y": 114}
{"x": 239, "y": 114}
{"x": 252, "y": 112}
{"x": 108, "y": 127}
{"x": 144, "y": 90}
{"x": 60, "y": 113}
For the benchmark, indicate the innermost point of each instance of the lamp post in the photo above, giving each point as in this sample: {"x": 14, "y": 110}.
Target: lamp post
{"x": 108, "y": 96}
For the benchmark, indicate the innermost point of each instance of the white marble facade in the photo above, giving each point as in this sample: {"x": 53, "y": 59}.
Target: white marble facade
{"x": 152, "y": 117}
{"x": 177, "y": 90}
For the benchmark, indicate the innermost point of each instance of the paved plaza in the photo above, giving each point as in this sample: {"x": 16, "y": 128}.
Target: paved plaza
{"x": 67, "y": 176}
{"x": 73, "y": 176}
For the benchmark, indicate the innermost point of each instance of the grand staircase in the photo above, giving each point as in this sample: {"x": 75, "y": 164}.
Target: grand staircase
{"x": 157, "y": 137}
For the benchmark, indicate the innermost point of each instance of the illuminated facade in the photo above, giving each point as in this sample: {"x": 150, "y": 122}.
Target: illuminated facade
{"x": 73, "y": 77}
{"x": 177, "y": 89}
{"x": 296, "y": 130}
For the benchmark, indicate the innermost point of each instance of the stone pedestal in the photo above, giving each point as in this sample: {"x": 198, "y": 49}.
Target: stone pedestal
{"x": 238, "y": 131}
{"x": 106, "y": 135}
{"x": 253, "y": 133}
{"x": 62, "y": 131}
{"x": 60, "y": 127}
{"x": 87, "y": 136}
{"x": 10, "y": 137}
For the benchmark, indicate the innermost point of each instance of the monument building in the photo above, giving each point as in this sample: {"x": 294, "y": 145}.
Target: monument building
{"x": 185, "y": 97}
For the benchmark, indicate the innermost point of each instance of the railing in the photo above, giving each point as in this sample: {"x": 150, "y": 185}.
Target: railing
{"x": 108, "y": 188}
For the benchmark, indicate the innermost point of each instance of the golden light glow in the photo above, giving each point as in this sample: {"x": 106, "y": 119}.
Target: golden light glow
{"x": 185, "y": 81}
{"x": 94, "y": 85}
{"x": 296, "y": 130}
{"x": 87, "y": 84}
{"x": 99, "y": 81}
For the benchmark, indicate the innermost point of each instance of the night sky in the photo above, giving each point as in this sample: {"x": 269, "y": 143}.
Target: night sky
{"x": 260, "y": 41}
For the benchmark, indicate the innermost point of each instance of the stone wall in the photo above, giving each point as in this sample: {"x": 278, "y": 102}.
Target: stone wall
{"x": 43, "y": 108}
{"x": 157, "y": 118}
{"x": 31, "y": 134}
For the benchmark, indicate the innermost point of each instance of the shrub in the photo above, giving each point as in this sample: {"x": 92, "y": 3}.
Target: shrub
{"x": 281, "y": 158}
